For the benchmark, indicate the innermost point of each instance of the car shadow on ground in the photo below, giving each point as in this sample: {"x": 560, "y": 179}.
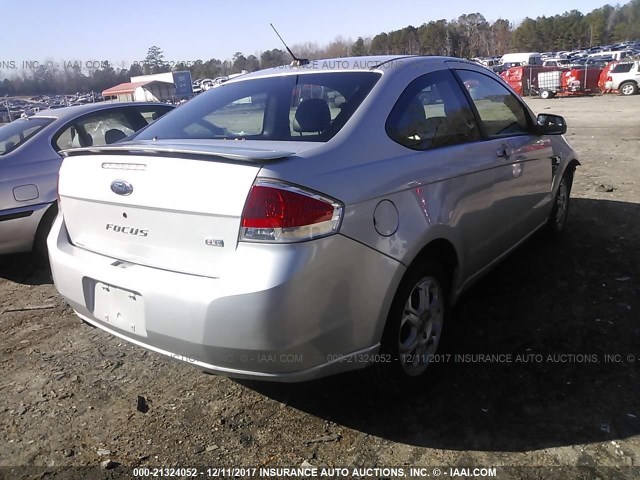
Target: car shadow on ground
{"x": 562, "y": 306}
{"x": 26, "y": 269}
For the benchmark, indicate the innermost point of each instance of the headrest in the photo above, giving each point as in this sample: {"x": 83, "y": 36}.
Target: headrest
{"x": 113, "y": 135}
{"x": 312, "y": 115}
{"x": 412, "y": 120}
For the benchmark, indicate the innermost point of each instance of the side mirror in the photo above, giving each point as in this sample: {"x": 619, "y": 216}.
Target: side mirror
{"x": 549, "y": 124}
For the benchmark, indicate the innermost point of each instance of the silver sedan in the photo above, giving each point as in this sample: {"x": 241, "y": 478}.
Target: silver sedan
{"x": 30, "y": 159}
{"x": 307, "y": 220}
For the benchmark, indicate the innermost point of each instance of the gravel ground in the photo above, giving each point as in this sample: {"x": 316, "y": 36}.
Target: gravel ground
{"x": 565, "y": 313}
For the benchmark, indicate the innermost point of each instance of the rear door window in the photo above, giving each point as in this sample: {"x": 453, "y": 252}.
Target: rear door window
{"x": 432, "y": 112}
{"x": 19, "y": 131}
{"x": 68, "y": 138}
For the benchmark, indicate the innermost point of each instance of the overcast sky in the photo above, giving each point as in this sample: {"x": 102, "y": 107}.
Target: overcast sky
{"x": 122, "y": 31}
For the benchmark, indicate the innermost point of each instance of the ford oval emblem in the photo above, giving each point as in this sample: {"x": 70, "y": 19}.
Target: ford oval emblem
{"x": 121, "y": 187}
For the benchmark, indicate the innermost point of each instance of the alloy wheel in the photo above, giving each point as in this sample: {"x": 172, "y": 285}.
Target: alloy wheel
{"x": 421, "y": 326}
{"x": 562, "y": 204}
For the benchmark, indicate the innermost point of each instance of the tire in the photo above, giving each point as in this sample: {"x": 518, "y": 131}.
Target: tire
{"x": 628, "y": 88}
{"x": 40, "y": 240}
{"x": 545, "y": 94}
{"x": 560, "y": 212}
{"x": 414, "y": 327}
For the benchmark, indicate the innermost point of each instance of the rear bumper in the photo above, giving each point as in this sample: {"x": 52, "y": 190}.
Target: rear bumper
{"x": 290, "y": 313}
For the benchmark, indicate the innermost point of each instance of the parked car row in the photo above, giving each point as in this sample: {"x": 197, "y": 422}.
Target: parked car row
{"x": 593, "y": 57}
{"x": 256, "y": 236}
{"x": 617, "y": 51}
{"x": 13, "y": 108}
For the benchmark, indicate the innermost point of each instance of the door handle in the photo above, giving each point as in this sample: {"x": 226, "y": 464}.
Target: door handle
{"x": 505, "y": 151}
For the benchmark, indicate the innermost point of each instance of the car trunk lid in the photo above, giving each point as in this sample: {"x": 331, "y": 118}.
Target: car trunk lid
{"x": 170, "y": 208}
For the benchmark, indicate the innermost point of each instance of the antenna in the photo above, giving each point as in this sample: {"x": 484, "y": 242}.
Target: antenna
{"x": 297, "y": 62}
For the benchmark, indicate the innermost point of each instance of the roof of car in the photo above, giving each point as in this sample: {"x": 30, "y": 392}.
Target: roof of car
{"x": 348, "y": 64}
{"x": 67, "y": 113}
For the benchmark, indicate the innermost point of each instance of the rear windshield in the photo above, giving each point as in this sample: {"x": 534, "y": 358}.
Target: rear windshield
{"x": 16, "y": 133}
{"x": 307, "y": 107}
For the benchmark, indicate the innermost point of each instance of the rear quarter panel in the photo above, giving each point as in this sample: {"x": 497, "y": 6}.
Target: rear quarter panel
{"x": 35, "y": 163}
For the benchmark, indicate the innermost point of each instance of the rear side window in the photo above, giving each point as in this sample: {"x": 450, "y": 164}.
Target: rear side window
{"x": 622, "y": 68}
{"x": 500, "y": 112}
{"x": 16, "y": 133}
{"x": 432, "y": 112}
{"x": 304, "y": 106}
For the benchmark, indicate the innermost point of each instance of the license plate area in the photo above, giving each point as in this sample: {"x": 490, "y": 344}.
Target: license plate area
{"x": 119, "y": 308}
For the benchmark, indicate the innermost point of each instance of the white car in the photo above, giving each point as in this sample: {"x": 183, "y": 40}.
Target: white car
{"x": 625, "y": 77}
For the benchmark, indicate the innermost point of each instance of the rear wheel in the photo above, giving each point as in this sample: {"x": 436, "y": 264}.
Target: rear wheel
{"x": 628, "y": 88}
{"x": 414, "y": 327}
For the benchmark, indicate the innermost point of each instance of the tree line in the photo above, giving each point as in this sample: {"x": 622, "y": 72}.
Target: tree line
{"x": 468, "y": 36}
{"x": 472, "y": 35}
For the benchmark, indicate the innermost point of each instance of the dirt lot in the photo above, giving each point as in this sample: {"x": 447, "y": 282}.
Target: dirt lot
{"x": 69, "y": 393}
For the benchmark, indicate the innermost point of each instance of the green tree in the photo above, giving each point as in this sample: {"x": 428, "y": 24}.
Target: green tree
{"x": 252, "y": 64}
{"x": 135, "y": 70}
{"x": 239, "y": 63}
{"x": 432, "y": 37}
{"x": 213, "y": 68}
{"x": 474, "y": 33}
{"x": 501, "y": 32}
{"x": 273, "y": 58}
{"x": 358, "y": 49}
{"x": 380, "y": 44}
{"x": 627, "y": 25}
{"x": 525, "y": 37}
{"x": 154, "y": 61}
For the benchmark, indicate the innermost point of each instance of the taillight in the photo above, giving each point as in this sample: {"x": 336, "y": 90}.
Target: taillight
{"x": 281, "y": 213}
{"x": 609, "y": 78}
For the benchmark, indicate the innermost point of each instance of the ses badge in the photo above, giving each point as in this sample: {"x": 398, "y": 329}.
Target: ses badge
{"x": 213, "y": 242}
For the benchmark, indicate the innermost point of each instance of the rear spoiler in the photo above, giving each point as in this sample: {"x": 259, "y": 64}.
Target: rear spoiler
{"x": 190, "y": 151}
